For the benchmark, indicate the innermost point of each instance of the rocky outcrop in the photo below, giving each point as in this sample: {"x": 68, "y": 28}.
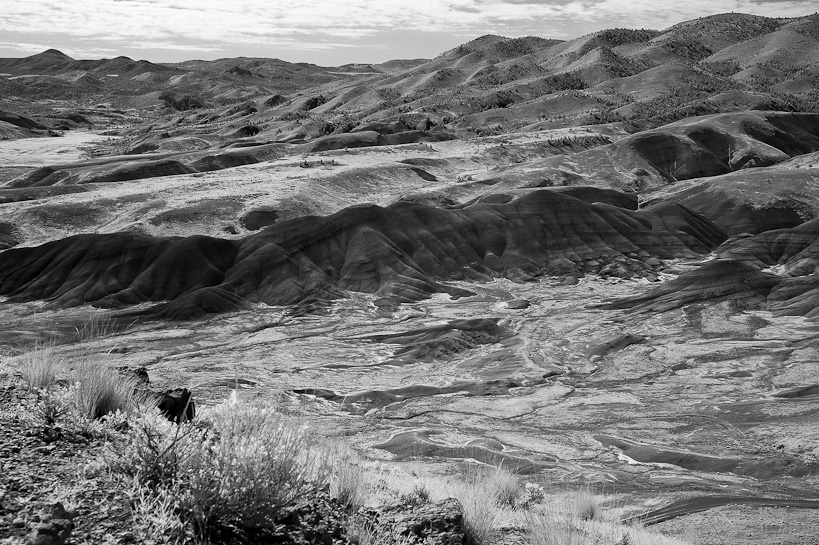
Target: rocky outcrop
{"x": 426, "y": 523}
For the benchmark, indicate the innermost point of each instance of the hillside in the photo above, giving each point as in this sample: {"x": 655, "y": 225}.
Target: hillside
{"x": 587, "y": 265}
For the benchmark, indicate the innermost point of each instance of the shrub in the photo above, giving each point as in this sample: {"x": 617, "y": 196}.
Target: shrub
{"x": 568, "y": 81}
{"x": 238, "y": 467}
{"x": 532, "y": 493}
{"x": 56, "y": 414}
{"x": 48, "y": 411}
{"x": 257, "y": 464}
{"x": 155, "y": 451}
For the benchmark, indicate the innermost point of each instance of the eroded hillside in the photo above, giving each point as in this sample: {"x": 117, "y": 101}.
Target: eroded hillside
{"x": 590, "y": 261}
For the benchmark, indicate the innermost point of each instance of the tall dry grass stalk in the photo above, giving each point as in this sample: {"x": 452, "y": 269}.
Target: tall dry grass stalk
{"x": 97, "y": 326}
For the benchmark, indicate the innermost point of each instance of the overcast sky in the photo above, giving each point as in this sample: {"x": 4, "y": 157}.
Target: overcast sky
{"x": 328, "y": 32}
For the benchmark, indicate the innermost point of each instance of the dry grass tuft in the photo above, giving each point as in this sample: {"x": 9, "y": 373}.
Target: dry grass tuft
{"x": 101, "y": 390}
{"x": 479, "y": 509}
{"x": 361, "y": 531}
{"x": 579, "y": 519}
{"x": 97, "y": 326}
{"x": 504, "y": 486}
{"x": 347, "y": 484}
{"x": 586, "y": 506}
{"x": 40, "y": 367}
{"x": 419, "y": 494}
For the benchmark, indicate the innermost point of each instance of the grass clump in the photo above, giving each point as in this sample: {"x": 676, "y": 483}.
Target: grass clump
{"x": 362, "y": 531}
{"x": 586, "y": 506}
{"x": 579, "y": 518}
{"x": 101, "y": 390}
{"x": 418, "y": 495}
{"x": 477, "y": 498}
{"x": 347, "y": 483}
{"x": 39, "y": 367}
{"x": 504, "y": 486}
{"x": 70, "y": 403}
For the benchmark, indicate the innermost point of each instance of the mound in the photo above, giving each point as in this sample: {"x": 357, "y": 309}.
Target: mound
{"x": 129, "y": 167}
{"x": 704, "y": 146}
{"x": 369, "y": 138}
{"x": 738, "y": 273}
{"x": 796, "y": 297}
{"x": 401, "y": 253}
{"x": 750, "y": 201}
{"x": 20, "y": 121}
{"x": 114, "y": 270}
{"x": 596, "y": 194}
{"x": 796, "y": 250}
{"x": 716, "y": 279}
{"x": 437, "y": 343}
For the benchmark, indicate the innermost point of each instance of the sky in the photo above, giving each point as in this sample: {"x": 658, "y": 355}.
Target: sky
{"x": 329, "y": 32}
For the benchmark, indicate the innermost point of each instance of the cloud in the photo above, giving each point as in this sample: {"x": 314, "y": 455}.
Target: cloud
{"x": 215, "y": 25}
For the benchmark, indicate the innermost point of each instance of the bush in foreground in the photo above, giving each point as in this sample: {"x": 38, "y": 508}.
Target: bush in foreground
{"x": 235, "y": 472}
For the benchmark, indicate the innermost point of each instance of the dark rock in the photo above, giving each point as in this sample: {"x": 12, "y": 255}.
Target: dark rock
{"x": 177, "y": 405}
{"x": 569, "y": 281}
{"x": 518, "y": 304}
{"x": 55, "y": 529}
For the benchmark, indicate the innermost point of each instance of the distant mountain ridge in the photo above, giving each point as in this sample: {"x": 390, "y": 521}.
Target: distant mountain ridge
{"x": 719, "y": 63}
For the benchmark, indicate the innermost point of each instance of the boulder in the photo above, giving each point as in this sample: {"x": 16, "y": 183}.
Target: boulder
{"x": 177, "y": 405}
{"x": 54, "y": 529}
{"x": 429, "y": 523}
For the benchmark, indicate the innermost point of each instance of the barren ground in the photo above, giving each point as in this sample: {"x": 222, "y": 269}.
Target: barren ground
{"x": 682, "y": 410}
